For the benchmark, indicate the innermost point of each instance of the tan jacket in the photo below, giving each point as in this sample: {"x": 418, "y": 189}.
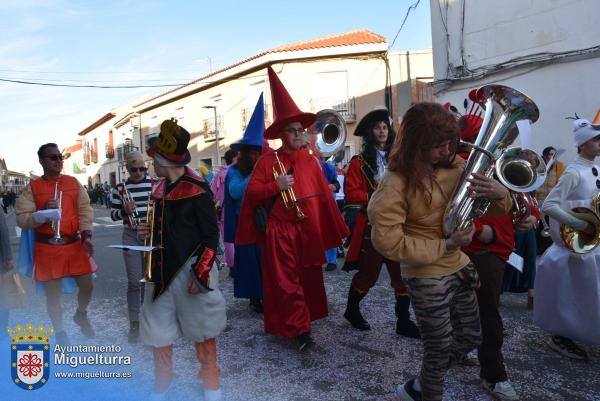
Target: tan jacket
{"x": 408, "y": 230}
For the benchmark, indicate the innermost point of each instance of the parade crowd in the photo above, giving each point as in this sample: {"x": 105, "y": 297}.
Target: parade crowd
{"x": 277, "y": 219}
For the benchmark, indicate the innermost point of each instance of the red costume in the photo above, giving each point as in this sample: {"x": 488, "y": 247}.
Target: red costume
{"x": 57, "y": 261}
{"x": 292, "y": 250}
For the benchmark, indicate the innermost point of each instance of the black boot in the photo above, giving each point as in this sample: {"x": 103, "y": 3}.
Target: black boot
{"x": 352, "y": 313}
{"x": 134, "y": 332}
{"x": 256, "y": 305}
{"x": 404, "y": 326}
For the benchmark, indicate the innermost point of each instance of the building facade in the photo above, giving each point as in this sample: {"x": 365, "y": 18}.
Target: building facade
{"x": 351, "y": 73}
{"x": 548, "y": 50}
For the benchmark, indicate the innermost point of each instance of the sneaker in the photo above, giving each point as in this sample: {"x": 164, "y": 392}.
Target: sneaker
{"x": 305, "y": 341}
{"x": 406, "y": 392}
{"x": 84, "y": 324}
{"x": 469, "y": 359}
{"x": 501, "y": 391}
{"x": 567, "y": 347}
{"x": 330, "y": 267}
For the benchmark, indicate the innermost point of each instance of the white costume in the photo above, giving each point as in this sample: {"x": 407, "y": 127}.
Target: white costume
{"x": 567, "y": 285}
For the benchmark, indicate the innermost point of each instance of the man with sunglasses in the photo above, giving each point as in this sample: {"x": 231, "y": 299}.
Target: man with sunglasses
{"x": 139, "y": 186}
{"x": 567, "y": 299}
{"x": 71, "y": 255}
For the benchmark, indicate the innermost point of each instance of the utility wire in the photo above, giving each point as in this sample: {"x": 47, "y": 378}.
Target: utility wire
{"x": 88, "y": 86}
{"x": 411, "y": 8}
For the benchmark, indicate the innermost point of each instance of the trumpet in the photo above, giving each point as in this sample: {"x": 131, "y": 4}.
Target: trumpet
{"x": 56, "y": 239}
{"x": 149, "y": 239}
{"x": 289, "y": 197}
{"x": 133, "y": 219}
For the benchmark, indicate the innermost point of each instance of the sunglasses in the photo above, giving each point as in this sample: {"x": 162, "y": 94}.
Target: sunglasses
{"x": 595, "y": 172}
{"x": 55, "y": 157}
{"x": 136, "y": 169}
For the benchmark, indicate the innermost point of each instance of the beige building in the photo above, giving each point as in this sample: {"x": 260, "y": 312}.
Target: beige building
{"x": 351, "y": 73}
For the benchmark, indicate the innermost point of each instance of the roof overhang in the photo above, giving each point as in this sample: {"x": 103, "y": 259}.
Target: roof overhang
{"x": 256, "y": 63}
{"x": 99, "y": 122}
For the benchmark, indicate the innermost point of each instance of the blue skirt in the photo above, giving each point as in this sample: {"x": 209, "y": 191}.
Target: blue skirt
{"x": 247, "y": 278}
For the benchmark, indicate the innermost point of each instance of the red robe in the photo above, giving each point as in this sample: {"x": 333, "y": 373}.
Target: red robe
{"x": 292, "y": 250}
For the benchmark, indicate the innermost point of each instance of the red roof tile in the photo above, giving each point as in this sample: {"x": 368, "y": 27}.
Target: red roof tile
{"x": 353, "y": 38}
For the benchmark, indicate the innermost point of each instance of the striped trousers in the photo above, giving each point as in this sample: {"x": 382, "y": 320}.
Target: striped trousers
{"x": 448, "y": 319}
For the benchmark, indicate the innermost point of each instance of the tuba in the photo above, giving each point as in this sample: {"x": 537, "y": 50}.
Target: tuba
{"x": 577, "y": 241}
{"x": 330, "y": 130}
{"x": 503, "y": 107}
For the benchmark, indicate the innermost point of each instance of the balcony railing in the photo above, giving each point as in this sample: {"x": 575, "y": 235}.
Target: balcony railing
{"x": 247, "y": 114}
{"x": 110, "y": 151}
{"x": 343, "y": 105}
{"x": 208, "y": 129}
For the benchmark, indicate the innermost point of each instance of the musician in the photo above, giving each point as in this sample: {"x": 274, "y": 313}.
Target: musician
{"x": 182, "y": 297}
{"x": 567, "y": 298}
{"x": 129, "y": 200}
{"x": 293, "y": 247}
{"x": 493, "y": 242}
{"x": 364, "y": 174}
{"x": 406, "y": 213}
{"x": 56, "y": 261}
{"x": 543, "y": 241}
{"x": 247, "y": 280}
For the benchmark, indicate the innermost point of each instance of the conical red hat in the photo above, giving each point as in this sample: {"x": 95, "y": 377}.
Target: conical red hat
{"x": 285, "y": 110}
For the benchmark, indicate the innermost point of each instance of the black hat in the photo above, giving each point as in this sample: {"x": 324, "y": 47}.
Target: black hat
{"x": 171, "y": 143}
{"x": 378, "y": 114}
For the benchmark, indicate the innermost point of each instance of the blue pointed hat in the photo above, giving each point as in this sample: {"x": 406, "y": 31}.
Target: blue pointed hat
{"x": 256, "y": 128}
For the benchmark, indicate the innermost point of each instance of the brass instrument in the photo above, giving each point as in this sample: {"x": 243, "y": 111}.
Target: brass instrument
{"x": 577, "y": 241}
{"x": 517, "y": 169}
{"x": 148, "y": 241}
{"x": 289, "y": 197}
{"x": 133, "y": 219}
{"x": 56, "y": 239}
{"x": 331, "y": 132}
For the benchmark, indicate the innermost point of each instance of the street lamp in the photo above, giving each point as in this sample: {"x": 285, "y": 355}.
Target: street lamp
{"x": 216, "y": 132}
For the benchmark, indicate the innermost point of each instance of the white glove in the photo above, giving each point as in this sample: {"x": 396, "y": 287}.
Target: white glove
{"x": 43, "y": 216}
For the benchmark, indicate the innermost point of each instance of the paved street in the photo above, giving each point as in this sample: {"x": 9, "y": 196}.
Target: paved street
{"x": 347, "y": 365}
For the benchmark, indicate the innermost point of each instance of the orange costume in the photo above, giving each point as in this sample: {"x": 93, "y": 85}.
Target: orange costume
{"x": 53, "y": 262}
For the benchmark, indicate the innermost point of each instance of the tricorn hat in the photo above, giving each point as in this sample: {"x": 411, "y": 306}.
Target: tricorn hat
{"x": 379, "y": 113}
{"x": 171, "y": 143}
{"x": 285, "y": 110}
{"x": 254, "y": 135}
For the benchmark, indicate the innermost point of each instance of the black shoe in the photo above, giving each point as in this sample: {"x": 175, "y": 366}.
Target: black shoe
{"x": 84, "y": 324}
{"x": 256, "y": 305}
{"x": 305, "y": 341}
{"x": 61, "y": 338}
{"x": 340, "y": 252}
{"x": 565, "y": 346}
{"x": 134, "y": 332}
{"x": 330, "y": 267}
{"x": 404, "y": 326}
{"x": 352, "y": 313}
{"x": 407, "y": 392}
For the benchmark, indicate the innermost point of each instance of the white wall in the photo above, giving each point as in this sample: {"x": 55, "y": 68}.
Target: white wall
{"x": 495, "y": 32}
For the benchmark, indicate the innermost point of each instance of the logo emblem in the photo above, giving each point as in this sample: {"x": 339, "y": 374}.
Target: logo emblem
{"x": 30, "y": 356}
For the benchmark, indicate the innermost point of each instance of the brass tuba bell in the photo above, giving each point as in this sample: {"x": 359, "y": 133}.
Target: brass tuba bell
{"x": 330, "y": 130}
{"x": 577, "y": 241}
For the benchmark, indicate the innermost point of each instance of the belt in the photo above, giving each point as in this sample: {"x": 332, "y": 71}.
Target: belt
{"x": 44, "y": 238}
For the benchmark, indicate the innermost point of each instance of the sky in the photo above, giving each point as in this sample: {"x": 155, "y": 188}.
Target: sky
{"x": 152, "y": 42}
